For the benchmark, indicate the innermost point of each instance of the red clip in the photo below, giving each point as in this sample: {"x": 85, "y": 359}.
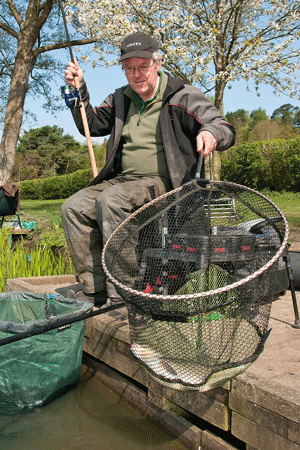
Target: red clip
{"x": 149, "y": 288}
{"x": 246, "y": 248}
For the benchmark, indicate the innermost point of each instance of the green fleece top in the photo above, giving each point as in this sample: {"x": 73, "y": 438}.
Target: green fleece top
{"x": 143, "y": 153}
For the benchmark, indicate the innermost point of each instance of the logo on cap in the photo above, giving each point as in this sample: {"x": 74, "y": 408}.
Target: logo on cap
{"x": 133, "y": 44}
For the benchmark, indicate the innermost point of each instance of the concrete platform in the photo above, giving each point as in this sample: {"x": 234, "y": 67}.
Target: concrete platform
{"x": 257, "y": 410}
{"x": 59, "y": 284}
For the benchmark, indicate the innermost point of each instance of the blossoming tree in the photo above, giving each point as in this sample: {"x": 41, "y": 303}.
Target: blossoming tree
{"x": 210, "y": 43}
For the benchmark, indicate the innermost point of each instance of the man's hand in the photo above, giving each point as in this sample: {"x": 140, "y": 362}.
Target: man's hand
{"x": 74, "y": 70}
{"x": 206, "y": 143}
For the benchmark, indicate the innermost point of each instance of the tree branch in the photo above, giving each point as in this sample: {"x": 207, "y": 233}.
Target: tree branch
{"x": 9, "y": 30}
{"x": 15, "y": 12}
{"x": 46, "y": 9}
{"x": 60, "y": 45}
{"x": 7, "y": 64}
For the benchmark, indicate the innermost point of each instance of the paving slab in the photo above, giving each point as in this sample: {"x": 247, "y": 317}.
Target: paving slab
{"x": 280, "y": 360}
{"x": 56, "y": 284}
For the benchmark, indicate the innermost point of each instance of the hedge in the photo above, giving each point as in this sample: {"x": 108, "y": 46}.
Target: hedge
{"x": 272, "y": 165}
{"x": 55, "y": 187}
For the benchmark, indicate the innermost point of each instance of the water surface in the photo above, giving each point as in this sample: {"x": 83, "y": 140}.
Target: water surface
{"x": 89, "y": 417}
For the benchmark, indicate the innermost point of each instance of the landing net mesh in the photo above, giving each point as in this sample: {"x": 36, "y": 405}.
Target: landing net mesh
{"x": 198, "y": 269}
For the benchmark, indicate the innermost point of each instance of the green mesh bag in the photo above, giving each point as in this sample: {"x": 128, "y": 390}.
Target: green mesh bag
{"x": 37, "y": 369}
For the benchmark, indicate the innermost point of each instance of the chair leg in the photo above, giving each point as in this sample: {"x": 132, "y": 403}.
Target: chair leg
{"x": 19, "y": 221}
{"x": 290, "y": 277}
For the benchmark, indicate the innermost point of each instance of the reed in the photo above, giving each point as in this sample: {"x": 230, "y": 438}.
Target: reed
{"x": 18, "y": 262}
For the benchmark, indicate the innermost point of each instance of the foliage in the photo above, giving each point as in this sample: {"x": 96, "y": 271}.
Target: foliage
{"x": 267, "y": 130}
{"x": 55, "y": 187}
{"x": 48, "y": 228}
{"x": 20, "y": 19}
{"x": 16, "y": 262}
{"x": 256, "y": 126}
{"x": 47, "y": 151}
{"x": 288, "y": 114}
{"x": 272, "y": 165}
{"x": 258, "y": 115}
{"x": 55, "y": 237}
{"x": 239, "y": 118}
{"x": 31, "y": 189}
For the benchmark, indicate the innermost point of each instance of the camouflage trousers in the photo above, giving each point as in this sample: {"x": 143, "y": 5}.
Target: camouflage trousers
{"x": 91, "y": 215}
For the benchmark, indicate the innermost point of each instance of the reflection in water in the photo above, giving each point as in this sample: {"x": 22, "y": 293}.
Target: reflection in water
{"x": 89, "y": 417}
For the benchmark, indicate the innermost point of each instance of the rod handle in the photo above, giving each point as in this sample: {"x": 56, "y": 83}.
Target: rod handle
{"x": 198, "y": 168}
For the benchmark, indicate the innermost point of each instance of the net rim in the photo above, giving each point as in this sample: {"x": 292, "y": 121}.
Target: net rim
{"x": 230, "y": 287}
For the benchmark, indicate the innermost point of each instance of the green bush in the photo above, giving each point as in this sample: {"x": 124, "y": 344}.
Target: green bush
{"x": 80, "y": 179}
{"x": 272, "y": 165}
{"x": 31, "y": 189}
{"x": 55, "y": 187}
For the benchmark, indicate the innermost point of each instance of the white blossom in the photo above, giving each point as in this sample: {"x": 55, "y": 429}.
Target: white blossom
{"x": 207, "y": 42}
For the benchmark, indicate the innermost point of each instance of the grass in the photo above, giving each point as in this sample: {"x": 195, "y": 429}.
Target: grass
{"x": 48, "y": 232}
{"x": 48, "y": 228}
{"x": 40, "y": 211}
{"x": 289, "y": 203}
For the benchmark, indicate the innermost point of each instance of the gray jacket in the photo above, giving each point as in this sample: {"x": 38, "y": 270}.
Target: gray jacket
{"x": 185, "y": 112}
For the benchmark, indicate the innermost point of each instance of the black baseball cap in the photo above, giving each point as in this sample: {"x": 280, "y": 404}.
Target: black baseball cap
{"x": 138, "y": 45}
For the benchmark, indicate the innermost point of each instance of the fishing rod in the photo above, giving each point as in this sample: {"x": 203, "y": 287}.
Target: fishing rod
{"x": 60, "y": 324}
{"x": 66, "y": 91}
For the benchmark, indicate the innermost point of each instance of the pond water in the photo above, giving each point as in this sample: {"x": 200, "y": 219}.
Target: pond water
{"x": 89, "y": 417}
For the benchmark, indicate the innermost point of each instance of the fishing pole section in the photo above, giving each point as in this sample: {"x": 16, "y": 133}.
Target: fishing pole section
{"x": 73, "y": 100}
{"x": 55, "y": 322}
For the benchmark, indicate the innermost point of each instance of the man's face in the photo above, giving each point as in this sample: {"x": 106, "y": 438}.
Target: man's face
{"x": 142, "y": 76}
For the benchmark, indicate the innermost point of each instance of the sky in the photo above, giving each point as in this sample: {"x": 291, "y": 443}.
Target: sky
{"x": 101, "y": 82}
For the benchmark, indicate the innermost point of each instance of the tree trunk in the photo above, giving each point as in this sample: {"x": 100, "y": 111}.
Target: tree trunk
{"x": 216, "y": 157}
{"x": 35, "y": 18}
{"x": 14, "y": 113}
{"x": 220, "y": 84}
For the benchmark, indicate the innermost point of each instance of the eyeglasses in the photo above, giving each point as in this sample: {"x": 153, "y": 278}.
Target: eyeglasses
{"x": 144, "y": 69}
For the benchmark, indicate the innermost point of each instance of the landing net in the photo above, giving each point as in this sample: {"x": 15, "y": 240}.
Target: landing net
{"x": 198, "y": 269}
